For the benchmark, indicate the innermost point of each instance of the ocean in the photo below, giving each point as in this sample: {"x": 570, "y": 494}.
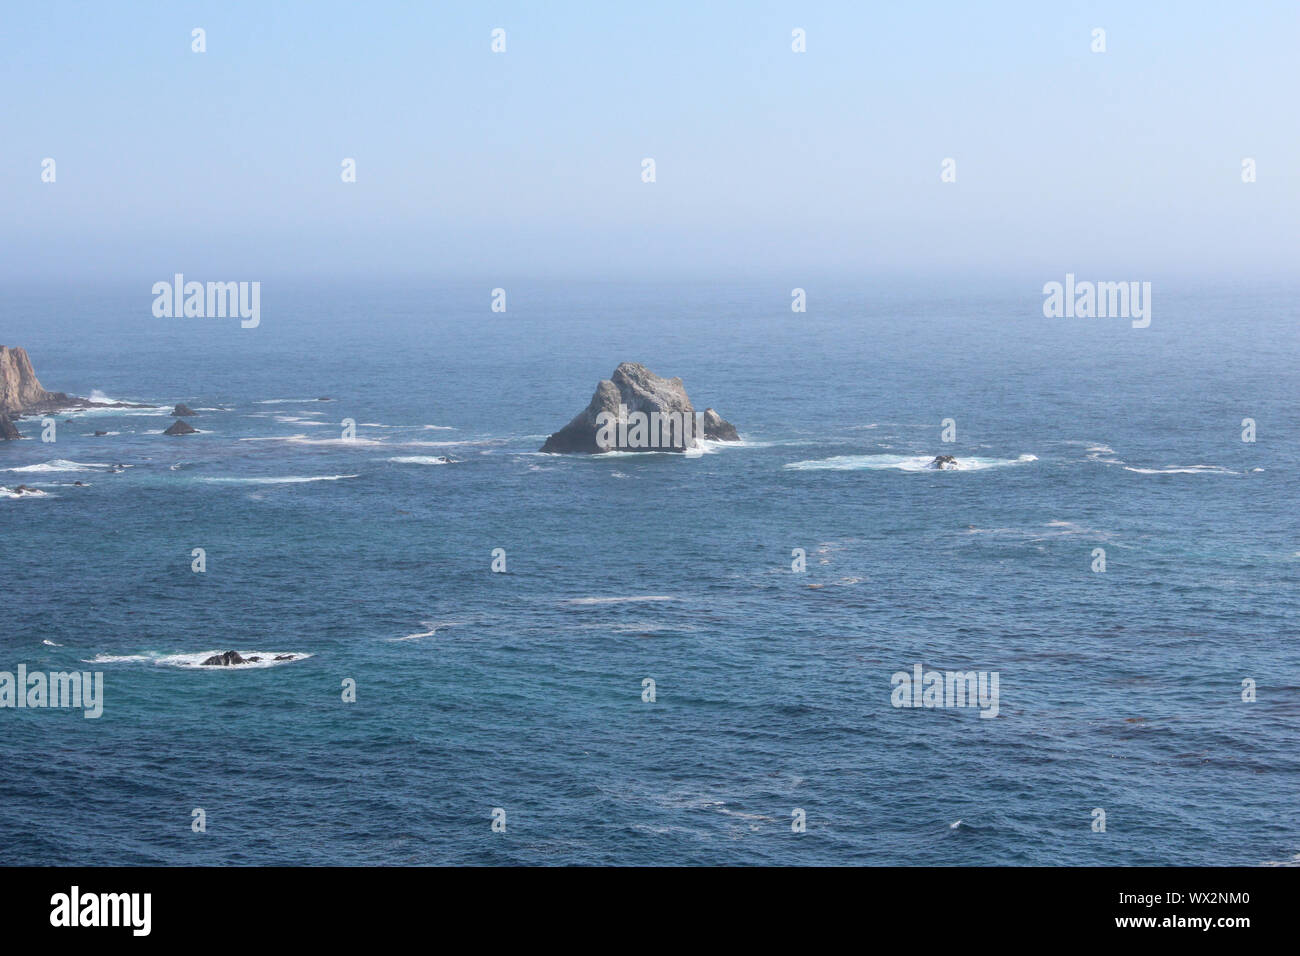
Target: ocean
{"x": 520, "y": 696}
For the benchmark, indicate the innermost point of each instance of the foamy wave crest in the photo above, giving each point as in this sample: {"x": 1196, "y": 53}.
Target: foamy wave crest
{"x": 302, "y": 439}
{"x": 265, "y": 659}
{"x": 302, "y": 420}
{"x": 420, "y": 460}
{"x": 903, "y": 463}
{"x": 1184, "y": 470}
{"x": 26, "y": 493}
{"x": 58, "y": 465}
{"x": 285, "y": 480}
{"x": 620, "y": 600}
{"x": 109, "y": 409}
{"x": 436, "y": 428}
{"x": 433, "y": 627}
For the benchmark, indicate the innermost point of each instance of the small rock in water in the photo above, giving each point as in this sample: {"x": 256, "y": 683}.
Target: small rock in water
{"x": 183, "y": 410}
{"x": 943, "y": 463}
{"x": 180, "y": 428}
{"x": 227, "y": 659}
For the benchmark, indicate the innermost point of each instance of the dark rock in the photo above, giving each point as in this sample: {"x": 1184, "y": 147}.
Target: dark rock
{"x": 284, "y": 657}
{"x": 641, "y": 393}
{"x": 97, "y": 434}
{"x": 227, "y": 659}
{"x": 79, "y": 484}
{"x": 943, "y": 463}
{"x": 8, "y": 432}
{"x": 251, "y": 660}
{"x": 180, "y": 428}
{"x": 326, "y": 398}
{"x": 183, "y": 411}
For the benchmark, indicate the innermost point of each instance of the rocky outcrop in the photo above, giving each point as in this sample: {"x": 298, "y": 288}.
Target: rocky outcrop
{"x": 183, "y": 411}
{"x": 179, "y": 427}
{"x": 657, "y": 415}
{"x": 717, "y": 428}
{"x": 228, "y": 659}
{"x": 20, "y": 389}
{"x": 7, "y": 430}
{"x": 21, "y": 392}
{"x": 943, "y": 463}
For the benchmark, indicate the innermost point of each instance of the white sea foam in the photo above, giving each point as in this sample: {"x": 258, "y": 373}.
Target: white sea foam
{"x": 196, "y": 660}
{"x": 420, "y": 460}
{"x": 150, "y": 411}
{"x": 903, "y": 463}
{"x": 439, "y": 428}
{"x": 58, "y": 465}
{"x": 28, "y": 493}
{"x": 433, "y": 627}
{"x": 1184, "y": 470}
{"x": 620, "y": 600}
{"x": 304, "y": 440}
{"x": 48, "y": 643}
{"x": 284, "y": 480}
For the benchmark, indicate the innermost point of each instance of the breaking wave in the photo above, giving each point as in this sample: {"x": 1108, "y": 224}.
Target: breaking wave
{"x": 267, "y": 659}
{"x": 902, "y": 463}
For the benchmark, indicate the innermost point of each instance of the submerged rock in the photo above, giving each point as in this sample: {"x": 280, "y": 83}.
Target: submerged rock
{"x": 658, "y": 416}
{"x": 179, "y": 427}
{"x": 183, "y": 411}
{"x": 228, "y": 659}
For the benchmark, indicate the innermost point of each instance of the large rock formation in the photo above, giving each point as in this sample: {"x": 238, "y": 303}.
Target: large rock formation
{"x": 21, "y": 393}
{"x": 20, "y": 390}
{"x": 658, "y": 416}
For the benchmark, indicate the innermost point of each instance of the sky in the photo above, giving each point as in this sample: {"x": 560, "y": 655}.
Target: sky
{"x": 528, "y": 163}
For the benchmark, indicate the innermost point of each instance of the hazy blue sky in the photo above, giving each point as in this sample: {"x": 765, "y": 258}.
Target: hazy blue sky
{"x": 226, "y": 164}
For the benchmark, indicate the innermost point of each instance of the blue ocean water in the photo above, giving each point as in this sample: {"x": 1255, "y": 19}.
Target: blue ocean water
{"x": 476, "y": 690}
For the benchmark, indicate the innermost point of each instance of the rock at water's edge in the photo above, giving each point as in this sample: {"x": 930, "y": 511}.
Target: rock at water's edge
{"x": 717, "y": 428}
{"x": 21, "y": 392}
{"x": 224, "y": 660}
{"x": 7, "y": 430}
{"x": 637, "y": 389}
{"x": 179, "y": 427}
